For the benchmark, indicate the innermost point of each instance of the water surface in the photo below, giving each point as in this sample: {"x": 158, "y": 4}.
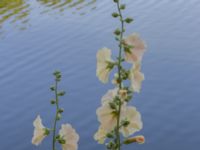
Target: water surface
{"x": 37, "y": 37}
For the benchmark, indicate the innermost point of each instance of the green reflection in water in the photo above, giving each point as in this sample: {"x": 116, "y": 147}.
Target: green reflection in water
{"x": 14, "y": 11}
{"x": 17, "y": 12}
{"x": 62, "y": 5}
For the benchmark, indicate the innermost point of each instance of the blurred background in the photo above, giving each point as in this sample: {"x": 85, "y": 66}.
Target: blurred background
{"x": 39, "y": 36}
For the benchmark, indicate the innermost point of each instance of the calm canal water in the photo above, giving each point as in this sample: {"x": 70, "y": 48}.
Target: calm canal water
{"x": 39, "y": 36}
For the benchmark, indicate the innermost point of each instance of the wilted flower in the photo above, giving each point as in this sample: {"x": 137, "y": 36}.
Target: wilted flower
{"x": 136, "y": 77}
{"x": 104, "y": 64}
{"x": 139, "y": 139}
{"x": 100, "y": 135}
{"x": 136, "y": 48}
{"x": 134, "y": 118}
{"x": 70, "y": 136}
{"x": 39, "y": 131}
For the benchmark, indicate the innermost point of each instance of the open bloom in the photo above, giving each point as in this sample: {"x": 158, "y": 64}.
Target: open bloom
{"x": 100, "y": 135}
{"x": 109, "y": 96}
{"x": 136, "y": 77}
{"x": 70, "y": 136}
{"x": 107, "y": 117}
{"x": 39, "y": 131}
{"x": 104, "y": 64}
{"x": 135, "y": 53}
{"x": 135, "y": 123}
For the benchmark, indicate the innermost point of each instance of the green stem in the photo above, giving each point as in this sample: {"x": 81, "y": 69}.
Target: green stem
{"x": 55, "y": 120}
{"x": 119, "y": 72}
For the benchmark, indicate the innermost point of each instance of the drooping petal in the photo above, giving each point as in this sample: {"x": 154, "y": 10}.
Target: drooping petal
{"x": 136, "y": 77}
{"x": 39, "y": 131}
{"x": 103, "y": 60}
{"x": 100, "y": 135}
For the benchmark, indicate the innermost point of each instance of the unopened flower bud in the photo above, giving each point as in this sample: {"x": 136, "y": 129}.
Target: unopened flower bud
{"x": 62, "y": 93}
{"x": 128, "y": 20}
{"x": 53, "y": 102}
{"x": 123, "y": 94}
{"x": 122, "y": 7}
{"x": 60, "y": 110}
{"x": 115, "y": 15}
{"x": 137, "y": 139}
{"x": 52, "y": 88}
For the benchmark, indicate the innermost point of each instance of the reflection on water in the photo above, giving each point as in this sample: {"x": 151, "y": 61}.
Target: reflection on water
{"x": 17, "y": 12}
{"x": 14, "y": 11}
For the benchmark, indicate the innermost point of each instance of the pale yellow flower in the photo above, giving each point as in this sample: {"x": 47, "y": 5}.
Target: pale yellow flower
{"x": 107, "y": 117}
{"x": 100, "y": 135}
{"x": 135, "y": 123}
{"x": 39, "y": 131}
{"x": 136, "y": 77}
{"x": 137, "y": 48}
{"x": 103, "y": 60}
{"x": 109, "y": 96}
{"x": 70, "y": 136}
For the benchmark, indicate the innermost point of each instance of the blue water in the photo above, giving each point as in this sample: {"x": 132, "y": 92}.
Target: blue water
{"x": 66, "y": 37}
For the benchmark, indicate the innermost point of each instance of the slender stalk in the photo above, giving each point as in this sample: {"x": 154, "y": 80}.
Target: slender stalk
{"x": 119, "y": 72}
{"x": 56, "y": 117}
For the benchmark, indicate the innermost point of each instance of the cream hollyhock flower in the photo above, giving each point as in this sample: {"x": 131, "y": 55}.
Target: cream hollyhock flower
{"x": 135, "y": 53}
{"x": 136, "y": 77}
{"x": 70, "y": 136}
{"x": 135, "y": 123}
{"x": 39, "y": 131}
{"x": 107, "y": 117}
{"x": 109, "y": 96}
{"x": 103, "y": 67}
{"x": 100, "y": 135}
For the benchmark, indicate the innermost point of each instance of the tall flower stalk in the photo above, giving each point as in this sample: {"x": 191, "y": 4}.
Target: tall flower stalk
{"x": 116, "y": 117}
{"x": 67, "y": 136}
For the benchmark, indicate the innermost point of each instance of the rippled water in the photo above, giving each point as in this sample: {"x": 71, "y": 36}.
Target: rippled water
{"x": 38, "y": 37}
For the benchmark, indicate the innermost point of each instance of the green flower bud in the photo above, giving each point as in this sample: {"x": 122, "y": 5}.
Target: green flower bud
{"x": 46, "y": 131}
{"x": 115, "y": 15}
{"x": 110, "y": 135}
{"x": 112, "y": 105}
{"x": 52, "y": 88}
{"x": 56, "y": 73}
{"x": 58, "y": 137}
{"x": 60, "y": 110}
{"x": 53, "y": 102}
{"x": 117, "y": 32}
{"x": 61, "y": 141}
{"x": 128, "y": 20}
{"x": 122, "y": 7}
{"x": 110, "y": 145}
{"x": 58, "y": 117}
{"x": 125, "y": 123}
{"x": 62, "y": 93}
{"x": 116, "y": 1}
